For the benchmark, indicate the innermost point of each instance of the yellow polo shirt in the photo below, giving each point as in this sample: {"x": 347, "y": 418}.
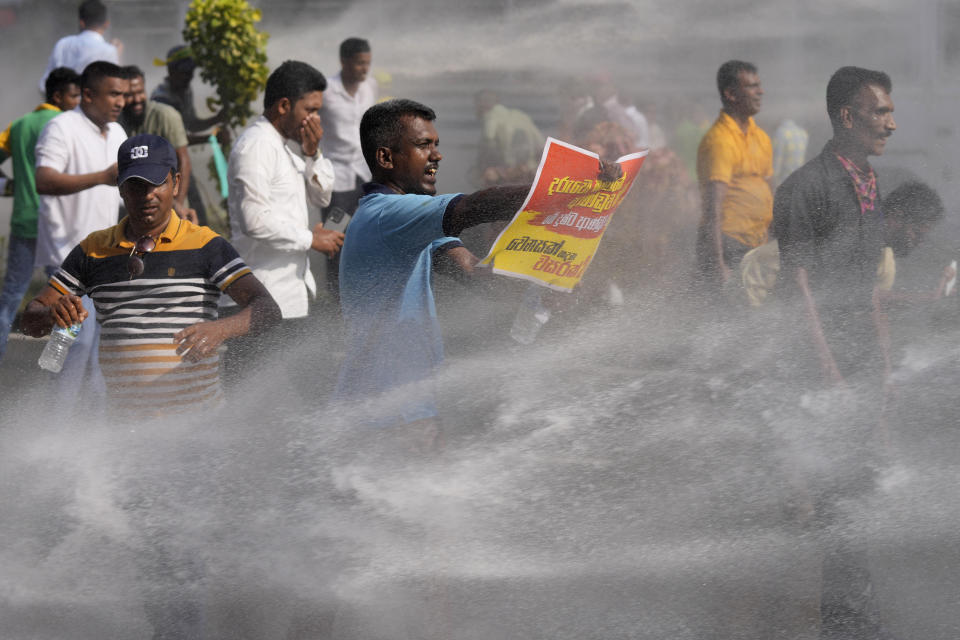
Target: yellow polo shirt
{"x": 743, "y": 162}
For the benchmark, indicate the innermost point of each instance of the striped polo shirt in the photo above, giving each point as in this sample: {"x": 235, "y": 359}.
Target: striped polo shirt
{"x": 180, "y": 286}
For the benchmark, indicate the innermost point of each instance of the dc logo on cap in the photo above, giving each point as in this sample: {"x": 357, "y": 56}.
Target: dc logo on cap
{"x": 139, "y": 152}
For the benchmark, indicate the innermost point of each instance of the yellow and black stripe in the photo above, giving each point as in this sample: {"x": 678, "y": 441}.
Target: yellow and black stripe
{"x": 181, "y": 285}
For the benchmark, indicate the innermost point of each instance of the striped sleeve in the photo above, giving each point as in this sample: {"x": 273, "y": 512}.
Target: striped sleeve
{"x": 68, "y": 279}
{"x": 224, "y": 263}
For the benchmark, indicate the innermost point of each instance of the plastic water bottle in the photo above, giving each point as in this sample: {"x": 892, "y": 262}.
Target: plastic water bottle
{"x": 57, "y": 346}
{"x": 531, "y": 316}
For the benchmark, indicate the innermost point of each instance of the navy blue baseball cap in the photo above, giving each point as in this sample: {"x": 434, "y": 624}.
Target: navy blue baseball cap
{"x": 147, "y": 157}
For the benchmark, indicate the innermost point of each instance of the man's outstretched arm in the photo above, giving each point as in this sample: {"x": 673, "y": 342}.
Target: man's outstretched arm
{"x": 501, "y": 203}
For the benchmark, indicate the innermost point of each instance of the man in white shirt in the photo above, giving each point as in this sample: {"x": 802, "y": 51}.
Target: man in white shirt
{"x": 79, "y": 50}
{"x": 274, "y": 167}
{"x": 348, "y": 95}
{"x": 77, "y": 182}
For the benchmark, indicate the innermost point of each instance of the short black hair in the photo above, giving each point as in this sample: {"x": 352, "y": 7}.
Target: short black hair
{"x": 352, "y": 46}
{"x": 292, "y": 80}
{"x": 58, "y": 80}
{"x": 92, "y": 13}
{"x": 132, "y": 71}
{"x": 846, "y": 83}
{"x": 95, "y": 72}
{"x": 914, "y": 202}
{"x": 728, "y": 75}
{"x": 382, "y": 125}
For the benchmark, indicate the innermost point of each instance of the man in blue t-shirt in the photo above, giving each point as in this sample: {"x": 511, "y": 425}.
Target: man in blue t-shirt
{"x": 401, "y": 225}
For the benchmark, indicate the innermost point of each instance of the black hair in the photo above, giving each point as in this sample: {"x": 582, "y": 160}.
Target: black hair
{"x": 352, "y": 46}
{"x": 382, "y": 125}
{"x": 292, "y": 80}
{"x": 846, "y": 83}
{"x": 914, "y": 202}
{"x": 132, "y": 71}
{"x": 95, "y": 72}
{"x": 728, "y": 75}
{"x": 59, "y": 79}
{"x": 92, "y": 13}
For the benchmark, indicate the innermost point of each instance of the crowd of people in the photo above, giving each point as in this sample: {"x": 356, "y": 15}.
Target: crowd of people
{"x": 105, "y": 202}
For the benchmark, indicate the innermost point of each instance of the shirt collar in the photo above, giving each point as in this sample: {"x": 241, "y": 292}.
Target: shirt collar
{"x": 96, "y": 35}
{"x": 728, "y": 121}
{"x": 376, "y": 187}
{"x": 93, "y": 125}
{"x": 46, "y": 106}
{"x": 169, "y": 234}
{"x": 263, "y": 122}
{"x": 335, "y": 84}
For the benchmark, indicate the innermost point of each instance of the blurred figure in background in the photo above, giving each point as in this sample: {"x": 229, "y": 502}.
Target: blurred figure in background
{"x": 79, "y": 50}
{"x": 734, "y": 169}
{"x": 349, "y": 93}
{"x": 18, "y": 142}
{"x": 789, "y": 150}
{"x": 641, "y": 126}
{"x": 148, "y": 116}
{"x": 175, "y": 91}
{"x": 510, "y": 145}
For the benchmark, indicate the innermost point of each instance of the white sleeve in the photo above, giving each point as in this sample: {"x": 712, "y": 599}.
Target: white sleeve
{"x": 249, "y": 180}
{"x": 52, "y": 149}
{"x": 320, "y": 177}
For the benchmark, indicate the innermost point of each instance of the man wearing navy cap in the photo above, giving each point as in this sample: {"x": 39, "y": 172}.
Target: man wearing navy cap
{"x": 154, "y": 279}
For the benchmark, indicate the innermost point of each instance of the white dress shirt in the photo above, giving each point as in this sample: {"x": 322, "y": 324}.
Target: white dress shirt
{"x": 77, "y": 51}
{"x": 269, "y": 227}
{"x": 71, "y": 143}
{"x": 341, "y": 114}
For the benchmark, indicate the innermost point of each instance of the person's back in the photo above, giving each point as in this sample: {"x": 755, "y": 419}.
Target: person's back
{"x": 24, "y": 133}
{"x": 80, "y": 49}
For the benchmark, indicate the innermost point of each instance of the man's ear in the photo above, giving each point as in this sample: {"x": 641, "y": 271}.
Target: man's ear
{"x": 86, "y": 94}
{"x": 384, "y": 158}
{"x": 846, "y": 117}
{"x": 283, "y": 106}
{"x": 176, "y": 184}
{"x": 730, "y": 95}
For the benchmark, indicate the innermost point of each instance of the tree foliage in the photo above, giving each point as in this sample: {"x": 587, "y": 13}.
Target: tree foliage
{"x": 230, "y": 51}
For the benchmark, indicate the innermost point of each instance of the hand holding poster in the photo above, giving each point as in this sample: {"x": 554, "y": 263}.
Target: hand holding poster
{"x": 555, "y": 234}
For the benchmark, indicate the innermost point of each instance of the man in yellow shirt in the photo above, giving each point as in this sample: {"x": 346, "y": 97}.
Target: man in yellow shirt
{"x": 734, "y": 169}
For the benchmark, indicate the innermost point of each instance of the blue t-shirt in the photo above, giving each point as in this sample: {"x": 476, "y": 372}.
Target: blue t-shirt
{"x": 393, "y": 338}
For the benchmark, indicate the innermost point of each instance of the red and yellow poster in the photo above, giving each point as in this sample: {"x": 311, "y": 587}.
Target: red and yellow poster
{"x": 555, "y": 235}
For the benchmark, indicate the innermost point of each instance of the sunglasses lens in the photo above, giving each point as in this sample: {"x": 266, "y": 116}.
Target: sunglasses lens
{"x": 146, "y": 244}
{"x": 135, "y": 266}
